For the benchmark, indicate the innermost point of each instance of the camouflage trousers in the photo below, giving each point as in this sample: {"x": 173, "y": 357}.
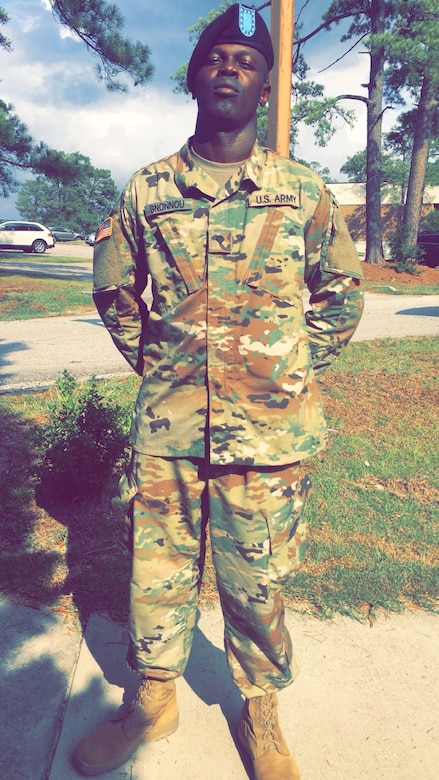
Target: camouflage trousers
{"x": 258, "y": 536}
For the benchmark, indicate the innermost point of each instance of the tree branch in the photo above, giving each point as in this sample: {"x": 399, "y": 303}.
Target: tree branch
{"x": 348, "y": 51}
{"x": 353, "y": 97}
{"x": 97, "y": 24}
{"x": 380, "y": 115}
{"x": 325, "y": 25}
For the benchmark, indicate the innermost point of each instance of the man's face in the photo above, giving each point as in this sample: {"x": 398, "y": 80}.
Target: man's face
{"x": 230, "y": 84}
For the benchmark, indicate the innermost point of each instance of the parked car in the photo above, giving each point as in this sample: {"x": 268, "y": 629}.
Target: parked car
{"x": 64, "y": 234}
{"x": 27, "y": 236}
{"x": 429, "y": 242}
{"x": 90, "y": 239}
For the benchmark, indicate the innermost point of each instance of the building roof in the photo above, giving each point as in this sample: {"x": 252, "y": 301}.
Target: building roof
{"x": 354, "y": 194}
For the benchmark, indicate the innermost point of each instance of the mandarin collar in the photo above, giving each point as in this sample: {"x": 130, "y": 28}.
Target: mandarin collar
{"x": 189, "y": 176}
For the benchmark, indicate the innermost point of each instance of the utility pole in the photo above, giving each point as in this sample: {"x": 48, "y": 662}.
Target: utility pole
{"x": 279, "y": 107}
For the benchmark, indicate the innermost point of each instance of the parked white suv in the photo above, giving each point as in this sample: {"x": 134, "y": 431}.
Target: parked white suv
{"x": 27, "y": 236}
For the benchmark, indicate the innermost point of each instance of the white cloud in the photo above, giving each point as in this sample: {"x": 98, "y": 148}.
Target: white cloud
{"x": 120, "y": 132}
{"x": 347, "y": 140}
{"x": 64, "y": 33}
{"x": 345, "y": 77}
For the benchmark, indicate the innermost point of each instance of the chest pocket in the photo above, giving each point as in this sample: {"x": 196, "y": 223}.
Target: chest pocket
{"x": 175, "y": 248}
{"x": 274, "y": 249}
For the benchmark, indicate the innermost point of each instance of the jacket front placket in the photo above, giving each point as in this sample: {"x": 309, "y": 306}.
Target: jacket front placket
{"x": 222, "y": 245}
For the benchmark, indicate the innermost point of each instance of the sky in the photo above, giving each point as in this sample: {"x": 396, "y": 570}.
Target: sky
{"x": 49, "y": 79}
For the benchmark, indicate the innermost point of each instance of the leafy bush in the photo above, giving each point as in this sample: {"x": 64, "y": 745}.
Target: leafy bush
{"x": 404, "y": 253}
{"x": 82, "y": 442}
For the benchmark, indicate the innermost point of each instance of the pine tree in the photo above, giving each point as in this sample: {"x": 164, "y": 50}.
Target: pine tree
{"x": 412, "y": 48}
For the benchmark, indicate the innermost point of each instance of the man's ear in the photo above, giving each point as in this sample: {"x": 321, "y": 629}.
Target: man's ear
{"x": 265, "y": 95}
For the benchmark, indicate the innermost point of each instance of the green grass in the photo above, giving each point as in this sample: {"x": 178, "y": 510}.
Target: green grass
{"x": 402, "y": 288}
{"x": 28, "y": 297}
{"x": 50, "y": 256}
{"x": 374, "y": 512}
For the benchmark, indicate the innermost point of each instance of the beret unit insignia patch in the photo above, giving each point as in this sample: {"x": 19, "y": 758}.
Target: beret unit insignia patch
{"x": 247, "y": 20}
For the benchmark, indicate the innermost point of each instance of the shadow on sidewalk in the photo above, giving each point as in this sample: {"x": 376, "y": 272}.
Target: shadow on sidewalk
{"x": 38, "y": 655}
{"x": 208, "y": 700}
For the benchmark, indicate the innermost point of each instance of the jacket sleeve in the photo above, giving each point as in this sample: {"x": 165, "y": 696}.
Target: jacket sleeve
{"x": 333, "y": 276}
{"x": 119, "y": 279}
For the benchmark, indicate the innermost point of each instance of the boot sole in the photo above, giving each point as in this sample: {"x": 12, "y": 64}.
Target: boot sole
{"x": 154, "y": 735}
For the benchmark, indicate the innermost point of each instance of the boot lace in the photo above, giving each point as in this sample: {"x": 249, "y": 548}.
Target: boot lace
{"x": 270, "y": 734}
{"x": 144, "y": 691}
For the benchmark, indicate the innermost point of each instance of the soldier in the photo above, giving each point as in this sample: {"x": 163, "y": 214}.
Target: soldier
{"x": 228, "y": 234}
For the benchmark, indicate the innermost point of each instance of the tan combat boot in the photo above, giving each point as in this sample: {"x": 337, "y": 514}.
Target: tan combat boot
{"x": 260, "y": 736}
{"x": 151, "y": 716}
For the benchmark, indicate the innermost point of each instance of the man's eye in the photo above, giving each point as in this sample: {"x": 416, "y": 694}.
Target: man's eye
{"x": 246, "y": 64}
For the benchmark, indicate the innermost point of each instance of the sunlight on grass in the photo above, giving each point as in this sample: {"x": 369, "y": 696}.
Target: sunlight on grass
{"x": 24, "y": 298}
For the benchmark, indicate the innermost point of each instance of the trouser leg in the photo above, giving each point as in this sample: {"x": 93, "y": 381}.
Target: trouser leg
{"x": 259, "y": 537}
{"x": 167, "y": 525}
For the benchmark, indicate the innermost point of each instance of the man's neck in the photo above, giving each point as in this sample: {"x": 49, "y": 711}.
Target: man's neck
{"x": 224, "y": 147}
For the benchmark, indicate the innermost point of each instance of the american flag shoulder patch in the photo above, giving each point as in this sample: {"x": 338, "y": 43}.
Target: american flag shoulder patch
{"x": 104, "y": 230}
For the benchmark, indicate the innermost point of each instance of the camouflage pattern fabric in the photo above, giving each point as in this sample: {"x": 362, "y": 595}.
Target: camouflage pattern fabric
{"x": 258, "y": 537}
{"x": 228, "y": 398}
{"x": 227, "y": 354}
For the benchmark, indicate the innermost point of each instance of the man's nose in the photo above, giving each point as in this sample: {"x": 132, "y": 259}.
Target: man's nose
{"x": 228, "y": 66}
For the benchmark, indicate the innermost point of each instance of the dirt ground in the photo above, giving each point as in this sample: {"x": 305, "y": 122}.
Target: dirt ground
{"x": 387, "y": 274}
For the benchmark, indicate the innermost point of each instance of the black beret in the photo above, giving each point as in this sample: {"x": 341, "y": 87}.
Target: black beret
{"x": 239, "y": 24}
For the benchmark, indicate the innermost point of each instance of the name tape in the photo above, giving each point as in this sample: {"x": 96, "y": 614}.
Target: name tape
{"x": 167, "y": 206}
{"x": 273, "y": 199}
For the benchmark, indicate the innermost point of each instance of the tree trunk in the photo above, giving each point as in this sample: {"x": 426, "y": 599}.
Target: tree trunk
{"x": 428, "y": 103}
{"x": 374, "y": 246}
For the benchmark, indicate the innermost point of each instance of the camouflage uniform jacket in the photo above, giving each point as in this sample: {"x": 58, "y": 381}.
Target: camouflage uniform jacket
{"x": 227, "y": 354}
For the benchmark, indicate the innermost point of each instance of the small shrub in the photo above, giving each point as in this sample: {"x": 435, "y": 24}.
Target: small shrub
{"x": 82, "y": 441}
{"x": 404, "y": 253}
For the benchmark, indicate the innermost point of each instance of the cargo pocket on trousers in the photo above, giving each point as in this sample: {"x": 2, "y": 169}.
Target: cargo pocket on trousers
{"x": 288, "y": 531}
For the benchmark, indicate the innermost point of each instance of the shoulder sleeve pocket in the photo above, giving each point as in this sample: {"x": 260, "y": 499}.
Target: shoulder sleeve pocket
{"x": 339, "y": 255}
{"x": 114, "y": 258}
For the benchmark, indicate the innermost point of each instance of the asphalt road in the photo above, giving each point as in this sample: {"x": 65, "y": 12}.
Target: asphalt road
{"x": 35, "y": 265}
{"x": 33, "y": 353}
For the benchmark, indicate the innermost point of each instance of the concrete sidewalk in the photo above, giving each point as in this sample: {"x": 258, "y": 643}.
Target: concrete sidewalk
{"x": 365, "y": 704}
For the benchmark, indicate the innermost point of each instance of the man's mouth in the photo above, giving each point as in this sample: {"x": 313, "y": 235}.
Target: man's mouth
{"x": 225, "y": 88}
